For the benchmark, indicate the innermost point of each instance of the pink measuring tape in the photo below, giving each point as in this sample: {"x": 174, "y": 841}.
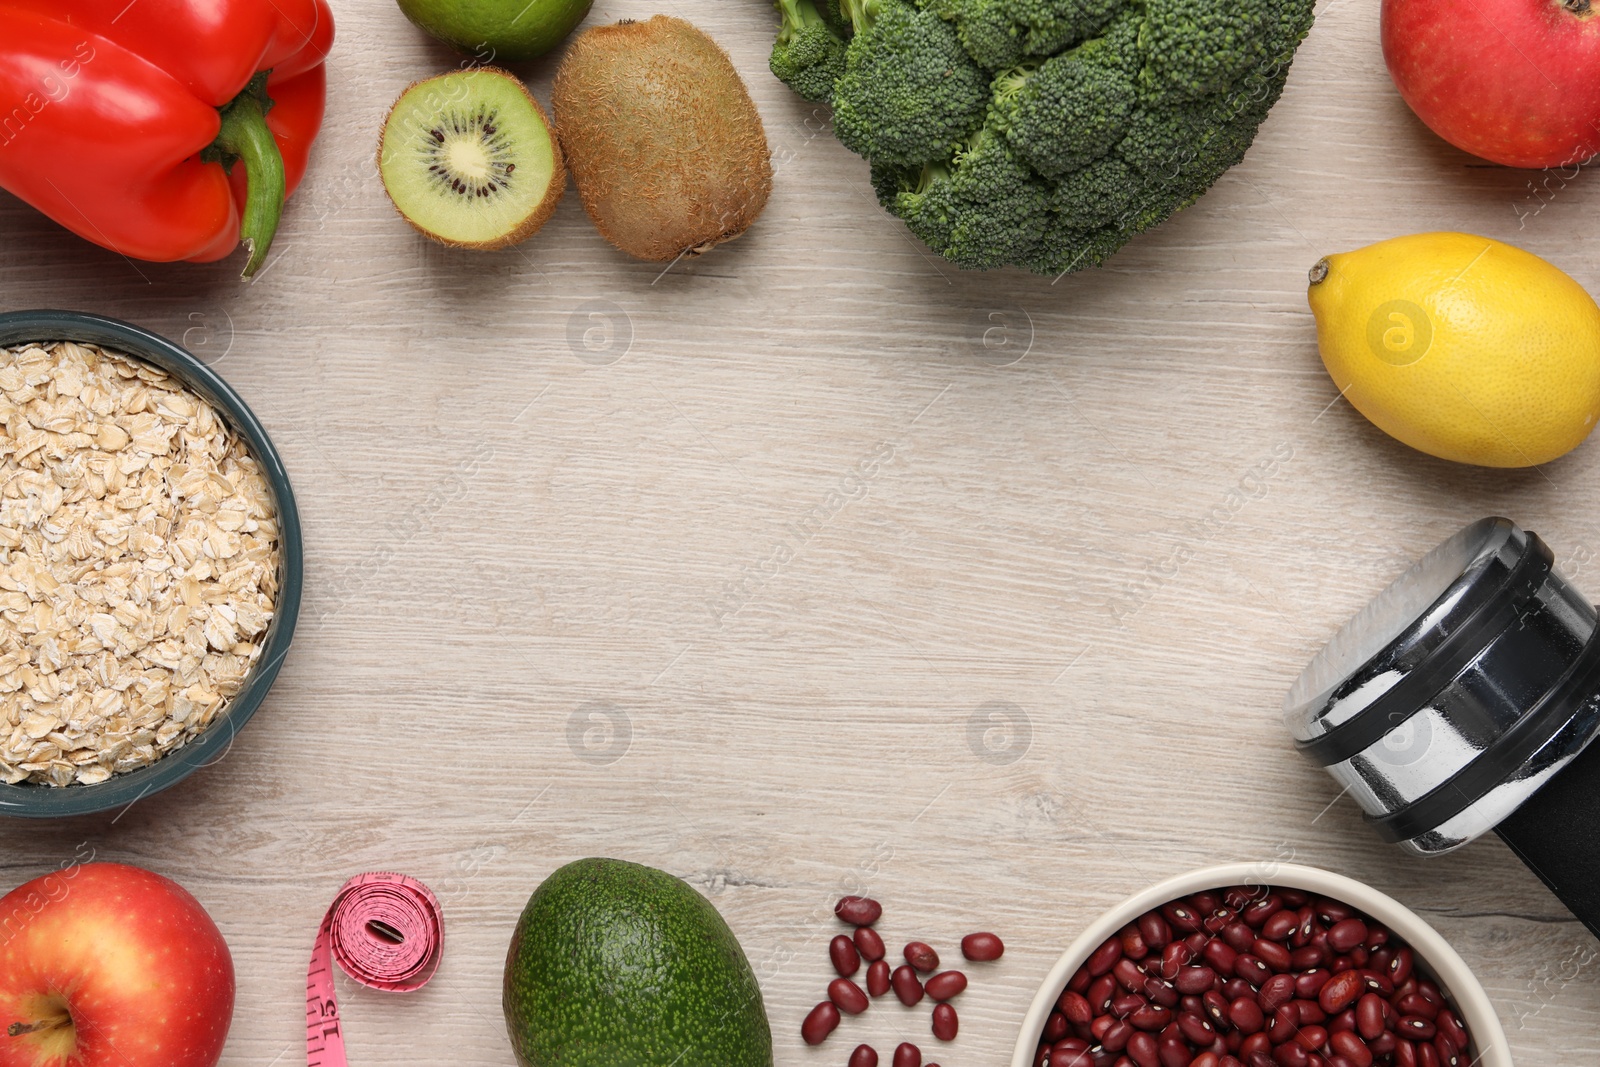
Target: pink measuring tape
{"x": 385, "y": 931}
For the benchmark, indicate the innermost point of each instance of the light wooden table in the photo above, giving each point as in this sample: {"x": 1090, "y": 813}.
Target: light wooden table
{"x": 513, "y": 537}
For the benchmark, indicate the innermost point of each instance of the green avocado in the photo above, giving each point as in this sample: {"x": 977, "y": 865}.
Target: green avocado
{"x": 615, "y": 964}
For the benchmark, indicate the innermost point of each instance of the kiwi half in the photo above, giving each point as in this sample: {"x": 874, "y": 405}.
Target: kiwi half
{"x": 665, "y": 144}
{"x": 468, "y": 159}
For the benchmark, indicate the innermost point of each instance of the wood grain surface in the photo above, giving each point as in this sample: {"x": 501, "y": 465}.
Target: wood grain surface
{"x": 815, "y": 564}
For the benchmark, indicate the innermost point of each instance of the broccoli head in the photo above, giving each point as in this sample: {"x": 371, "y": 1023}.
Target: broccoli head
{"x": 1043, "y": 133}
{"x": 909, "y": 92}
{"x": 809, "y": 54}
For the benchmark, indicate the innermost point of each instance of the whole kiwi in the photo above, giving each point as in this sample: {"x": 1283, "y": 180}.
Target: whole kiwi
{"x": 661, "y": 136}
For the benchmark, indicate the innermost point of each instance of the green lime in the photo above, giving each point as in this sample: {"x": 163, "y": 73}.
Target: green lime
{"x": 498, "y": 31}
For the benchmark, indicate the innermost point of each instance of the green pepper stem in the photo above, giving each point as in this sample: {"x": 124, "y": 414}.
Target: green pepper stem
{"x": 245, "y": 136}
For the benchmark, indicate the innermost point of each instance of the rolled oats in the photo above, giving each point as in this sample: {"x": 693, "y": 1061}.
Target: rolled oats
{"x": 138, "y": 564}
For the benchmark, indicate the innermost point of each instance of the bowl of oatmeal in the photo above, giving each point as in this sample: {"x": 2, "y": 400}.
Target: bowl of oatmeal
{"x": 150, "y": 564}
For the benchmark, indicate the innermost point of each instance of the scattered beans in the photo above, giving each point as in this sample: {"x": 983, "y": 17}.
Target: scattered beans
{"x": 864, "y": 1056}
{"x": 905, "y": 985}
{"x": 1249, "y": 977}
{"x": 822, "y": 1021}
{"x": 846, "y": 960}
{"x": 847, "y": 996}
{"x": 878, "y": 978}
{"x": 922, "y": 957}
{"x": 858, "y": 911}
{"x": 947, "y": 984}
{"x": 869, "y": 944}
{"x": 945, "y": 1023}
{"x": 981, "y": 948}
{"x": 907, "y": 1055}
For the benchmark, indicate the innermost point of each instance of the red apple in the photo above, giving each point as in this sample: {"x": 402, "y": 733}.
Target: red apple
{"x": 103, "y": 965}
{"x": 1513, "y": 81}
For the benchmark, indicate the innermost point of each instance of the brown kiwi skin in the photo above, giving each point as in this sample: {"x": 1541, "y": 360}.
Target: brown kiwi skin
{"x": 666, "y": 147}
{"x": 552, "y": 194}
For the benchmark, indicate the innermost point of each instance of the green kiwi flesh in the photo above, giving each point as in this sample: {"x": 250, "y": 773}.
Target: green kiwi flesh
{"x": 468, "y": 159}
{"x": 665, "y": 145}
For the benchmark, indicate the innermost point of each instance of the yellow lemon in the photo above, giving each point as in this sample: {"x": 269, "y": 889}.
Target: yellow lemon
{"x": 1461, "y": 346}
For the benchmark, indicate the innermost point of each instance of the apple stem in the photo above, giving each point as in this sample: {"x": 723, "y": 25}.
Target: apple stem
{"x": 1577, "y": 7}
{"x": 52, "y": 1023}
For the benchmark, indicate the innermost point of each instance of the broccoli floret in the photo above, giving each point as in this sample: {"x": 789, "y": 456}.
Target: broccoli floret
{"x": 1000, "y": 33}
{"x": 981, "y": 209}
{"x": 1065, "y": 113}
{"x": 1047, "y": 133}
{"x": 809, "y": 54}
{"x": 909, "y": 93}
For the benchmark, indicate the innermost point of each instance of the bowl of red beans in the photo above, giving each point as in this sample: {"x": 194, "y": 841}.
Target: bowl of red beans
{"x": 1261, "y": 965}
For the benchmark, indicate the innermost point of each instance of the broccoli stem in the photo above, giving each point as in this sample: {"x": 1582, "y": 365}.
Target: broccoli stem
{"x": 797, "y": 14}
{"x": 861, "y": 13}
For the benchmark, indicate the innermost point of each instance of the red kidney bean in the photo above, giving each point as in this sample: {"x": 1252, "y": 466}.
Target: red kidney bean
{"x": 1405, "y": 1054}
{"x": 1279, "y": 925}
{"x": 1347, "y": 934}
{"x": 1272, "y": 954}
{"x": 1195, "y": 980}
{"x": 1128, "y": 975}
{"x": 1256, "y": 1050}
{"x": 878, "y": 978}
{"x": 1430, "y": 992}
{"x": 1181, "y": 916}
{"x": 1359, "y": 955}
{"x": 1340, "y": 992}
{"x": 1276, "y": 992}
{"x": 1282, "y": 1024}
{"x": 1075, "y": 1007}
{"x": 1234, "y": 988}
{"x": 858, "y": 911}
{"x": 864, "y": 1056}
{"x": 819, "y": 1023}
{"x": 1071, "y": 1058}
{"x": 1080, "y": 980}
{"x": 945, "y": 985}
{"x": 1246, "y": 1016}
{"x": 1115, "y": 1037}
{"x": 1101, "y": 992}
{"x": 1216, "y": 1006}
{"x": 1196, "y": 942}
{"x": 1384, "y": 1044}
{"x": 1414, "y": 1004}
{"x": 1163, "y": 993}
{"x": 1208, "y": 1058}
{"x": 1133, "y": 945}
{"x": 1238, "y": 936}
{"x": 1377, "y": 983}
{"x": 1308, "y": 957}
{"x": 1451, "y": 1027}
{"x": 1174, "y": 1053}
{"x": 847, "y": 996}
{"x": 1309, "y": 983}
{"x": 1427, "y": 1056}
{"x": 869, "y": 944}
{"x": 1154, "y": 929}
{"x": 905, "y": 985}
{"x": 1377, "y": 935}
{"x": 1307, "y": 928}
{"x": 1056, "y": 1027}
{"x": 1331, "y": 911}
{"x": 945, "y": 1023}
{"x": 1351, "y": 1047}
{"x": 1103, "y": 1025}
{"x": 1262, "y": 908}
{"x": 1174, "y": 958}
{"x": 1151, "y": 1017}
{"x": 1251, "y": 969}
{"x": 1449, "y": 1054}
{"x": 983, "y": 947}
{"x": 846, "y": 960}
{"x": 1311, "y": 1038}
{"x": 1196, "y": 1029}
{"x": 922, "y": 957}
{"x": 907, "y": 1055}
{"x": 1127, "y": 1004}
{"x": 1143, "y": 1050}
{"x": 1345, "y": 1020}
{"x": 1206, "y": 902}
{"x": 1371, "y": 1016}
{"x": 1102, "y": 959}
{"x": 1220, "y": 956}
{"x": 1379, "y": 961}
{"x": 1400, "y": 966}
{"x": 1415, "y": 1027}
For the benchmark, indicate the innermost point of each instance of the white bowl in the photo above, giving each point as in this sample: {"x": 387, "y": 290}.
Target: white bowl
{"x": 1433, "y": 953}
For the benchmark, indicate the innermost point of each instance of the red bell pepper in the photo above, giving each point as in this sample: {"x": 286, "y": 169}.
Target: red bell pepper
{"x": 123, "y": 119}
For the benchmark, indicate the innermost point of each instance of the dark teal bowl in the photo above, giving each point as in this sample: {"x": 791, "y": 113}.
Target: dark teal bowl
{"x": 45, "y": 802}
